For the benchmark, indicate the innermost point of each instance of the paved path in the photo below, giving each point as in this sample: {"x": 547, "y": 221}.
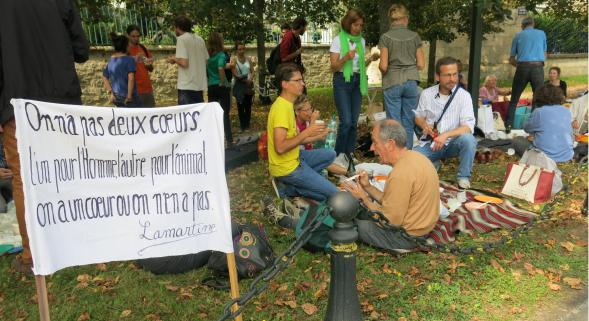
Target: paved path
{"x": 572, "y": 308}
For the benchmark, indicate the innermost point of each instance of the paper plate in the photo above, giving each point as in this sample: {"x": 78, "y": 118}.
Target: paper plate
{"x": 488, "y": 199}
{"x": 475, "y": 206}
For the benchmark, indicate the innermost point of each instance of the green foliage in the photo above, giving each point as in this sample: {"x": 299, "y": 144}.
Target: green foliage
{"x": 558, "y": 9}
{"x": 563, "y": 35}
{"x": 371, "y": 30}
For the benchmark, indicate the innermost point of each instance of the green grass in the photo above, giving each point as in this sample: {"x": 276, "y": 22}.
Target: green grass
{"x": 571, "y": 81}
{"x": 415, "y": 286}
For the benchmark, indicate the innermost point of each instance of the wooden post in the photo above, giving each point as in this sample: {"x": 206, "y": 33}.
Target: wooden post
{"x": 233, "y": 282}
{"x": 42, "y": 298}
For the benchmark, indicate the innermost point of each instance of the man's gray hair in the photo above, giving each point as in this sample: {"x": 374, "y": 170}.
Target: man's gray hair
{"x": 392, "y": 129}
{"x": 528, "y": 21}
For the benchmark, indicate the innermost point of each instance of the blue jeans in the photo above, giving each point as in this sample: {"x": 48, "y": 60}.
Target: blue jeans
{"x": 348, "y": 101}
{"x": 186, "y": 97}
{"x": 464, "y": 147}
{"x": 400, "y": 101}
{"x": 305, "y": 180}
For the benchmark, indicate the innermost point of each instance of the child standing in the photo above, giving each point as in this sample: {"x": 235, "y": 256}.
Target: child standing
{"x": 119, "y": 74}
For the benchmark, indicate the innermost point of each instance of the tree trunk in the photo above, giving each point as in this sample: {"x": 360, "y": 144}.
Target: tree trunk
{"x": 261, "y": 41}
{"x": 384, "y": 20}
{"x": 431, "y": 64}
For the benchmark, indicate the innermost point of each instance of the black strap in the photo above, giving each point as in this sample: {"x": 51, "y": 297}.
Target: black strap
{"x": 446, "y": 106}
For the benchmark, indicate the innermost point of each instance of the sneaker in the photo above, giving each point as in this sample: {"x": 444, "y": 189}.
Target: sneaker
{"x": 291, "y": 209}
{"x": 300, "y": 203}
{"x": 463, "y": 183}
{"x": 270, "y": 210}
{"x": 341, "y": 160}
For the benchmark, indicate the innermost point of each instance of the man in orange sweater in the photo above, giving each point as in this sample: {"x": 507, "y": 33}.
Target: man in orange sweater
{"x": 411, "y": 196}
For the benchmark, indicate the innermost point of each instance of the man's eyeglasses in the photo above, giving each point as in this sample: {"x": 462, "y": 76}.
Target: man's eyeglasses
{"x": 307, "y": 109}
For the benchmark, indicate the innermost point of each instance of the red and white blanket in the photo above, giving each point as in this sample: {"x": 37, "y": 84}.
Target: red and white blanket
{"x": 462, "y": 220}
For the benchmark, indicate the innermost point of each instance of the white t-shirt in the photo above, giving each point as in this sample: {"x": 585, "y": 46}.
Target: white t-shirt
{"x": 336, "y": 48}
{"x": 192, "y": 47}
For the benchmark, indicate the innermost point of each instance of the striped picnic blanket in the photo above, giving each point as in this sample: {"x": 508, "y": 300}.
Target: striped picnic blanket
{"x": 493, "y": 216}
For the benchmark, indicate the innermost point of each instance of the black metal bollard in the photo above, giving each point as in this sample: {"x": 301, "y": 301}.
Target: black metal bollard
{"x": 343, "y": 303}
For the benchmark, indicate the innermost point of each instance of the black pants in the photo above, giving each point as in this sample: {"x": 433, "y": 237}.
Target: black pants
{"x": 524, "y": 74}
{"x": 244, "y": 110}
{"x": 186, "y": 97}
{"x": 222, "y": 95}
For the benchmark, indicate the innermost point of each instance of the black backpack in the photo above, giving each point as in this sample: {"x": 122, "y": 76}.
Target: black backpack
{"x": 274, "y": 60}
{"x": 253, "y": 252}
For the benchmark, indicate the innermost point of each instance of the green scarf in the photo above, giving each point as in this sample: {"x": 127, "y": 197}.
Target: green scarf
{"x": 345, "y": 39}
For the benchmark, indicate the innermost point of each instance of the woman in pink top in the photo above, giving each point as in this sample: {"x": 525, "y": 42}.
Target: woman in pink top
{"x": 489, "y": 92}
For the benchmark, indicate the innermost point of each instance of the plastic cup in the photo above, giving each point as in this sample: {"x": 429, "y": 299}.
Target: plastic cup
{"x": 461, "y": 197}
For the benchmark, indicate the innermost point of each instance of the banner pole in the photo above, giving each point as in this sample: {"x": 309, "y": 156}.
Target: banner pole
{"x": 42, "y": 298}
{"x": 233, "y": 281}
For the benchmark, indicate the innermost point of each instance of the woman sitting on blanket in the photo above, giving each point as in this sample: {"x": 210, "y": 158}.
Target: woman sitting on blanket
{"x": 490, "y": 92}
{"x": 306, "y": 115}
{"x": 550, "y": 126}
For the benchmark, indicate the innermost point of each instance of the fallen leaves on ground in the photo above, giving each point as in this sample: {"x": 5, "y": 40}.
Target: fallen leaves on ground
{"x": 573, "y": 283}
{"x": 84, "y": 316}
{"x": 568, "y": 246}
{"x": 553, "y": 286}
{"x": 125, "y": 313}
{"x": 497, "y": 266}
{"x": 309, "y": 308}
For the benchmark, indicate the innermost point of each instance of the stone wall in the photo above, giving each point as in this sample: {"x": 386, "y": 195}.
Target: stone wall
{"x": 164, "y": 76}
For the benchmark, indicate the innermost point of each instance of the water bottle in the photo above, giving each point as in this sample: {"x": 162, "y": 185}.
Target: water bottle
{"x": 330, "y": 139}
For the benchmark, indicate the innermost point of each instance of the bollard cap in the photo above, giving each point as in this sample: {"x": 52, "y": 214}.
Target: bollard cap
{"x": 344, "y": 206}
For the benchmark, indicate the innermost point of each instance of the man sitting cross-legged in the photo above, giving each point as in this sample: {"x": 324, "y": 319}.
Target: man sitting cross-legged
{"x": 446, "y": 116}
{"x": 411, "y": 196}
{"x": 298, "y": 170}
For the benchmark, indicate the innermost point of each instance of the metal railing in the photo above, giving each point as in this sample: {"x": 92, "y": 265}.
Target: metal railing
{"x": 117, "y": 20}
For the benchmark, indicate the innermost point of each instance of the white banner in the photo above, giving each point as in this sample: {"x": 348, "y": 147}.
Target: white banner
{"x": 110, "y": 184}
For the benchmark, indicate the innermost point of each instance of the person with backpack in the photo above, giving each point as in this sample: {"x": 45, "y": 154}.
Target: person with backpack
{"x": 144, "y": 65}
{"x": 290, "y": 46}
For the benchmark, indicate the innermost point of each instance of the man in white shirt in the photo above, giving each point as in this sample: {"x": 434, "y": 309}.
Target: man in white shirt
{"x": 191, "y": 58}
{"x": 450, "y": 133}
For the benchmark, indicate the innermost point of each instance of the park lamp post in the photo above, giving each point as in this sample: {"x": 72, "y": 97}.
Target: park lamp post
{"x": 343, "y": 303}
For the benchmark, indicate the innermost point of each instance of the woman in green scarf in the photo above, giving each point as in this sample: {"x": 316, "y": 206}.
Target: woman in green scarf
{"x": 350, "y": 81}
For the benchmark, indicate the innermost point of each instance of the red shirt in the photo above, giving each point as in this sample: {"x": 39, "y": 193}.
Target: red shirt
{"x": 302, "y": 125}
{"x": 289, "y": 44}
{"x": 141, "y": 75}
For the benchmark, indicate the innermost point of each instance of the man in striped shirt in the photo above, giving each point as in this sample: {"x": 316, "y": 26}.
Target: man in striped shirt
{"x": 450, "y": 133}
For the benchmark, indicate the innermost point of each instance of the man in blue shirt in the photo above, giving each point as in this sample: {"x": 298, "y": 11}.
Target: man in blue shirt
{"x": 528, "y": 53}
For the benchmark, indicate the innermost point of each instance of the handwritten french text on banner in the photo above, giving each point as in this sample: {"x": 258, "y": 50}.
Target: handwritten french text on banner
{"x": 109, "y": 184}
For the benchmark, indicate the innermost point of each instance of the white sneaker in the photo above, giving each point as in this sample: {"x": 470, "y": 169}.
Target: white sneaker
{"x": 341, "y": 160}
{"x": 463, "y": 183}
